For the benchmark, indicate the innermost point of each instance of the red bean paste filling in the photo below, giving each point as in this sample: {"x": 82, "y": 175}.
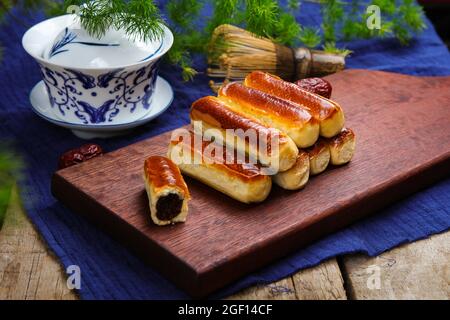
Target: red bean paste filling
{"x": 168, "y": 207}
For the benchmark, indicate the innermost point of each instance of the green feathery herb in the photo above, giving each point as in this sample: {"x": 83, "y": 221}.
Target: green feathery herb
{"x": 294, "y": 5}
{"x": 139, "y": 18}
{"x": 330, "y": 47}
{"x": 261, "y": 16}
{"x": 400, "y": 20}
{"x": 5, "y": 7}
{"x": 224, "y": 11}
{"x": 9, "y": 170}
{"x": 187, "y": 39}
{"x": 310, "y": 37}
{"x": 341, "y": 20}
{"x": 332, "y": 13}
{"x": 286, "y": 30}
{"x": 183, "y": 13}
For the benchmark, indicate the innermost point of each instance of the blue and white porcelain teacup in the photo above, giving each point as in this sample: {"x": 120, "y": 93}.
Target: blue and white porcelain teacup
{"x": 95, "y": 81}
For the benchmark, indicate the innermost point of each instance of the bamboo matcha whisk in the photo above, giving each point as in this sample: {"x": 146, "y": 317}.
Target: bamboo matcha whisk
{"x": 234, "y": 52}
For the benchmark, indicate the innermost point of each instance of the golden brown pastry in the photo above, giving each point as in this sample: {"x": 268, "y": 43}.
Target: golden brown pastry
{"x": 319, "y": 157}
{"x": 342, "y": 146}
{"x": 284, "y": 115}
{"x": 327, "y": 112}
{"x": 264, "y": 144}
{"x": 167, "y": 192}
{"x": 210, "y": 163}
{"x": 296, "y": 177}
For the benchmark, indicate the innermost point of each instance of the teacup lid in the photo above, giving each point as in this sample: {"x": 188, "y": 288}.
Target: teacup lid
{"x": 74, "y": 47}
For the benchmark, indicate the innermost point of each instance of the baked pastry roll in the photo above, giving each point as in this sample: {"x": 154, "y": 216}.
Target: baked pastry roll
{"x": 319, "y": 157}
{"x": 342, "y": 146}
{"x": 210, "y": 163}
{"x": 284, "y": 115}
{"x": 264, "y": 144}
{"x": 296, "y": 177}
{"x": 327, "y": 112}
{"x": 167, "y": 192}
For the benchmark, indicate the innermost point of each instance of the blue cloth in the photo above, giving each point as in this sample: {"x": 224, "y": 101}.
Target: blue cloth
{"x": 108, "y": 270}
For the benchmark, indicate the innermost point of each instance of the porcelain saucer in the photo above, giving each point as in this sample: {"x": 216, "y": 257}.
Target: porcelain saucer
{"x": 162, "y": 99}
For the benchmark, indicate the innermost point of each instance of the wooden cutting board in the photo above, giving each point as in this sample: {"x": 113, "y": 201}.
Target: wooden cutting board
{"x": 402, "y": 124}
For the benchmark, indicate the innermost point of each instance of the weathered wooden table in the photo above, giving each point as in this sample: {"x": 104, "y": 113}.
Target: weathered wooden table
{"x": 420, "y": 270}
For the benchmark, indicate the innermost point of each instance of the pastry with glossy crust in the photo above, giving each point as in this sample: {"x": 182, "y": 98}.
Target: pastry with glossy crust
{"x": 342, "y": 147}
{"x": 211, "y": 164}
{"x": 266, "y": 145}
{"x": 329, "y": 114}
{"x": 167, "y": 192}
{"x": 296, "y": 177}
{"x": 319, "y": 157}
{"x": 279, "y": 113}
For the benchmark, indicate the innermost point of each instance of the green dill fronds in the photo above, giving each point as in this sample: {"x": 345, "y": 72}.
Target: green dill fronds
{"x": 332, "y": 13}
{"x": 187, "y": 72}
{"x": 261, "y": 17}
{"x": 5, "y": 6}
{"x": 286, "y": 29}
{"x": 387, "y": 6}
{"x": 407, "y": 21}
{"x": 53, "y": 8}
{"x": 10, "y": 166}
{"x": 412, "y": 15}
{"x": 139, "y": 18}
{"x": 310, "y": 37}
{"x": 187, "y": 39}
{"x": 402, "y": 34}
{"x": 224, "y": 11}
{"x": 330, "y": 47}
{"x": 183, "y": 61}
{"x": 294, "y": 5}
{"x": 147, "y": 25}
{"x": 182, "y": 13}
{"x": 351, "y": 29}
{"x": 267, "y": 18}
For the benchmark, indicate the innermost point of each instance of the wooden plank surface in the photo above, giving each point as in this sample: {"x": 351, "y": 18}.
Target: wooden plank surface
{"x": 322, "y": 282}
{"x": 28, "y": 270}
{"x": 420, "y": 270}
{"x": 223, "y": 239}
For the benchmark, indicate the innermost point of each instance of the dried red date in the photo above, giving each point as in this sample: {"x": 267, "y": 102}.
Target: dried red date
{"x": 91, "y": 150}
{"x": 316, "y": 85}
{"x": 70, "y": 158}
{"x": 75, "y": 156}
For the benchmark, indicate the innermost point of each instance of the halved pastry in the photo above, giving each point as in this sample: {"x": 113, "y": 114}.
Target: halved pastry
{"x": 167, "y": 192}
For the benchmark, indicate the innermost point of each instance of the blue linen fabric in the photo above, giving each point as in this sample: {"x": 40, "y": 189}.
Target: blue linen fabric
{"x": 110, "y": 271}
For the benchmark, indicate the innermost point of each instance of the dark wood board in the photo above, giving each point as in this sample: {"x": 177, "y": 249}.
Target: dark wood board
{"x": 402, "y": 124}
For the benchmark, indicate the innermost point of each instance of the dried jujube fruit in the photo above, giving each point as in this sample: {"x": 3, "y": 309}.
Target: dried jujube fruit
{"x": 316, "y": 85}
{"x": 78, "y": 155}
